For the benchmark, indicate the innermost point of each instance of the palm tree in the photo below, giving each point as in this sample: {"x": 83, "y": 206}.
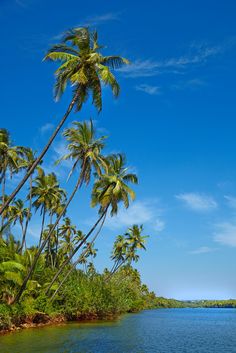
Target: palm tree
{"x": 20, "y": 213}
{"x": 85, "y": 151}
{"x": 109, "y": 190}
{"x": 88, "y": 251}
{"x": 10, "y": 158}
{"x": 119, "y": 252}
{"x": 86, "y": 69}
{"x": 111, "y": 187}
{"x": 7, "y": 218}
{"x": 125, "y": 247}
{"x": 26, "y": 163}
{"x": 67, "y": 231}
{"x": 46, "y": 193}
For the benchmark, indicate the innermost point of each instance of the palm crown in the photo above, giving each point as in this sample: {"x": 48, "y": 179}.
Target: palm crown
{"x": 111, "y": 187}
{"x": 84, "y": 149}
{"x": 46, "y": 191}
{"x": 84, "y": 66}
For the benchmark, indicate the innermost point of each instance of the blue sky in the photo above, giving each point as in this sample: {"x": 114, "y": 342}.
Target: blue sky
{"x": 175, "y": 120}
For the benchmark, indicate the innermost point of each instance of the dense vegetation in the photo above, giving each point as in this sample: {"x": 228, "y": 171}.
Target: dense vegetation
{"x": 56, "y": 277}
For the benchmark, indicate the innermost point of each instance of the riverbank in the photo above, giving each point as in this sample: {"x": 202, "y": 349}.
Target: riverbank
{"x": 41, "y": 319}
{"x": 13, "y": 318}
{"x": 11, "y": 321}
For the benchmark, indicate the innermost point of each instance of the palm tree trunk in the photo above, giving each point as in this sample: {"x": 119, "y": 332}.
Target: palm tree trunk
{"x": 40, "y": 157}
{"x": 67, "y": 261}
{"x": 28, "y": 216}
{"x": 115, "y": 268}
{"x": 42, "y": 226}
{"x": 78, "y": 260}
{"x": 56, "y": 248}
{"x": 3, "y": 192}
{"x": 49, "y": 243}
{"x": 23, "y": 286}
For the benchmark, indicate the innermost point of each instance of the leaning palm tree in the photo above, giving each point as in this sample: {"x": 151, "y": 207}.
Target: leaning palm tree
{"x": 10, "y": 159}
{"x": 109, "y": 190}
{"x": 86, "y": 69}
{"x": 126, "y": 247}
{"x": 85, "y": 152}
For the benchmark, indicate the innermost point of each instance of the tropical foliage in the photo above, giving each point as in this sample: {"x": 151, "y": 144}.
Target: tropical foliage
{"x": 51, "y": 271}
{"x": 56, "y": 274}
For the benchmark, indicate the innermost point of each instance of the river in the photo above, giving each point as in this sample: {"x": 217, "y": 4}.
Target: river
{"x": 151, "y": 331}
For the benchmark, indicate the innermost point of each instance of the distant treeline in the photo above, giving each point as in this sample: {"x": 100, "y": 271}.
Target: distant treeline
{"x": 161, "y": 302}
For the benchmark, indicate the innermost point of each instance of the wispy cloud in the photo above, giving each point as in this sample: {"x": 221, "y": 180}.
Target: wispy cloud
{"x": 46, "y": 127}
{"x": 194, "y": 83}
{"x": 202, "y": 250}
{"x": 95, "y": 20}
{"x": 146, "y": 68}
{"x": 59, "y": 150}
{"x": 140, "y": 212}
{"x": 231, "y": 201}
{"x": 226, "y": 233}
{"x": 198, "y": 201}
{"x": 21, "y": 3}
{"x": 101, "y": 19}
{"x": 151, "y": 90}
{"x": 159, "y": 225}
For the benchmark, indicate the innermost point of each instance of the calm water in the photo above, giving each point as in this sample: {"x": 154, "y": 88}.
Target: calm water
{"x": 154, "y": 331}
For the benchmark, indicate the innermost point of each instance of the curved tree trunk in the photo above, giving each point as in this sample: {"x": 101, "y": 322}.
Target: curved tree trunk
{"x": 56, "y": 249}
{"x": 78, "y": 184}
{"x": 28, "y": 216}
{"x": 42, "y": 227}
{"x": 66, "y": 262}
{"x": 78, "y": 260}
{"x": 40, "y": 157}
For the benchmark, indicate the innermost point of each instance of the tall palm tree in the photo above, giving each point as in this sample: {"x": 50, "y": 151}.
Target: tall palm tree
{"x": 126, "y": 246}
{"x": 46, "y": 192}
{"x": 86, "y": 69}
{"x": 20, "y": 213}
{"x": 7, "y": 221}
{"x": 109, "y": 190}
{"x": 89, "y": 249}
{"x": 85, "y": 151}
{"x": 10, "y": 159}
{"x": 26, "y": 163}
{"x": 67, "y": 231}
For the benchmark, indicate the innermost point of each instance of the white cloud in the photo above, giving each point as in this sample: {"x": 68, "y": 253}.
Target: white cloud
{"x": 194, "y": 83}
{"x": 58, "y": 151}
{"x": 231, "y": 200}
{"x": 226, "y": 234}
{"x": 159, "y": 225}
{"x": 95, "y": 20}
{"x": 46, "y": 127}
{"x": 152, "y": 90}
{"x": 202, "y": 250}
{"x": 197, "y": 201}
{"x": 145, "y": 68}
{"x": 141, "y": 68}
{"x": 145, "y": 213}
{"x": 100, "y": 19}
